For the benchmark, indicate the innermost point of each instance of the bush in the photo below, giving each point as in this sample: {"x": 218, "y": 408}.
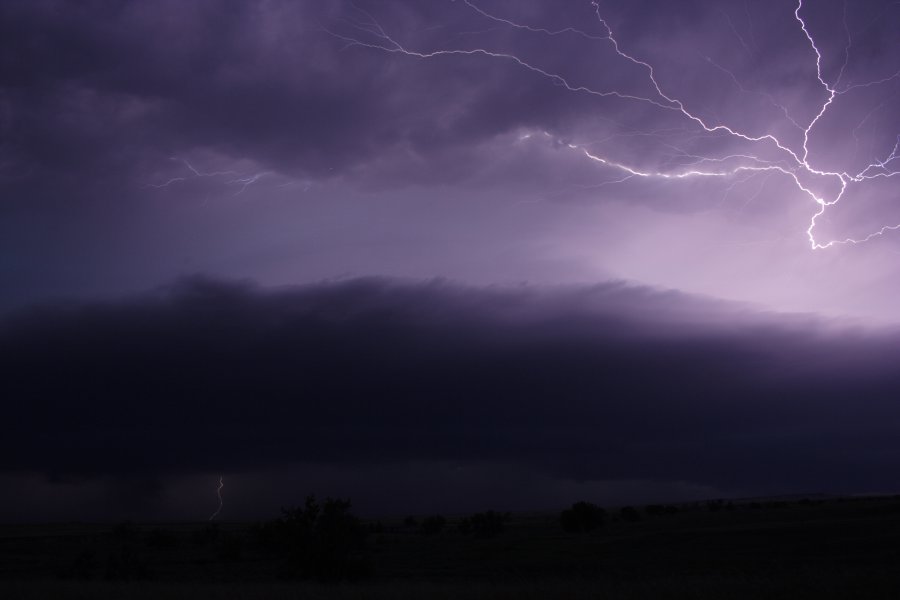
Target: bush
{"x": 83, "y": 567}
{"x": 126, "y": 565}
{"x": 125, "y": 531}
{"x": 319, "y": 541}
{"x": 206, "y": 535}
{"x": 660, "y": 509}
{"x": 230, "y": 548}
{"x": 433, "y": 525}
{"x": 630, "y": 514}
{"x": 160, "y": 538}
{"x": 582, "y": 517}
{"x": 484, "y": 524}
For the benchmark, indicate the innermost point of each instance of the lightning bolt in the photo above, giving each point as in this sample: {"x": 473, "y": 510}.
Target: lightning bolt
{"x": 795, "y": 163}
{"x": 238, "y": 179}
{"x": 219, "y": 495}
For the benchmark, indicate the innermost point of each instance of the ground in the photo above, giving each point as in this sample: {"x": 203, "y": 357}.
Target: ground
{"x": 799, "y": 548}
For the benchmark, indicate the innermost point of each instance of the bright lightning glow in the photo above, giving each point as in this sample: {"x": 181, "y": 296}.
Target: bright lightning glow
{"x": 795, "y": 163}
{"x": 219, "y": 495}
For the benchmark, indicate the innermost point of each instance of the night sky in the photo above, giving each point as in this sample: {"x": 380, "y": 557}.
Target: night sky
{"x": 445, "y": 255}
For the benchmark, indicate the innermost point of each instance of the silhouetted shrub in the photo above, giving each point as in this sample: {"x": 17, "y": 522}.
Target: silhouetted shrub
{"x": 484, "y": 524}
{"x": 160, "y": 538}
{"x": 230, "y": 548}
{"x": 655, "y": 510}
{"x": 206, "y": 535}
{"x": 83, "y": 567}
{"x": 582, "y": 517}
{"x": 433, "y": 525}
{"x": 323, "y": 542}
{"x": 125, "y": 531}
{"x": 410, "y": 522}
{"x": 125, "y": 565}
{"x": 891, "y": 508}
{"x": 377, "y": 528}
{"x": 630, "y": 514}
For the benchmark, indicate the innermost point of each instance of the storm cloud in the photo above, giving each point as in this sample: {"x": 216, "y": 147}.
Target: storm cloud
{"x": 115, "y": 116}
{"x": 609, "y": 382}
{"x": 267, "y": 82}
{"x": 277, "y": 83}
{"x": 477, "y": 243}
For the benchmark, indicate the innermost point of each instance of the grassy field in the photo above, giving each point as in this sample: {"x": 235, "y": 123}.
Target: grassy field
{"x": 823, "y": 548}
{"x": 810, "y": 585}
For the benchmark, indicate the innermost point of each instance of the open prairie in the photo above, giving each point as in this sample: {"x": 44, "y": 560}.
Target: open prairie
{"x": 810, "y": 548}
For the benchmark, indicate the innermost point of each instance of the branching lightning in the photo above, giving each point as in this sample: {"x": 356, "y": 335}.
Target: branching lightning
{"x": 234, "y": 178}
{"x": 795, "y": 162}
{"x": 219, "y": 496}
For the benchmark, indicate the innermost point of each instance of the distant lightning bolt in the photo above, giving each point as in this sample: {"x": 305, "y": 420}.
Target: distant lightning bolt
{"x": 237, "y": 178}
{"x": 245, "y": 182}
{"x": 195, "y": 173}
{"x": 219, "y": 495}
{"x": 549, "y": 32}
{"x": 794, "y": 164}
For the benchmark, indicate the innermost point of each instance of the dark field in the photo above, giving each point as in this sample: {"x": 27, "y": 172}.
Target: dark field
{"x": 812, "y": 548}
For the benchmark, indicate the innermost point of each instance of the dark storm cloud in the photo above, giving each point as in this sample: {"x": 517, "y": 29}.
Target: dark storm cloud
{"x": 601, "y": 383}
{"x": 102, "y": 93}
{"x": 604, "y": 383}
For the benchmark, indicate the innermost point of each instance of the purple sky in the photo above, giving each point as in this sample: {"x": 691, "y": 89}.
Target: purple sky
{"x": 546, "y": 186}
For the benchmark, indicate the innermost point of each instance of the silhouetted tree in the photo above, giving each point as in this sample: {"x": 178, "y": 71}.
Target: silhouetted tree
{"x": 630, "y": 514}
{"x": 660, "y": 509}
{"x": 83, "y": 567}
{"x": 484, "y": 524}
{"x": 206, "y": 535}
{"x": 319, "y": 541}
{"x": 125, "y": 531}
{"x": 160, "y": 538}
{"x": 433, "y": 525}
{"x": 126, "y": 565}
{"x": 582, "y": 517}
